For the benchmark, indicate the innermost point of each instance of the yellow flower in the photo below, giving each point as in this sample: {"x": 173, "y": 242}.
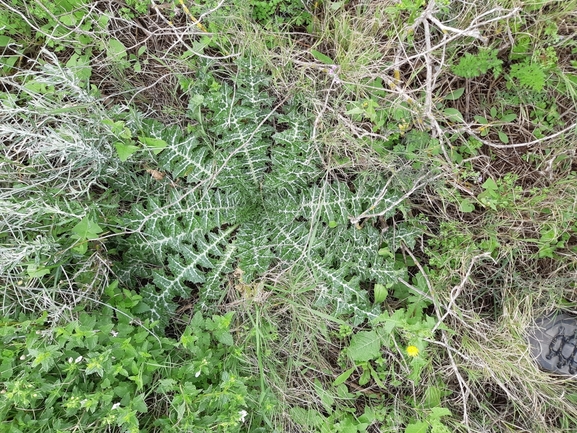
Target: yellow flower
{"x": 412, "y": 351}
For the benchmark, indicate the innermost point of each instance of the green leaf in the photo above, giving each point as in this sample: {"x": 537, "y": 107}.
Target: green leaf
{"x": 224, "y": 337}
{"x": 81, "y": 247}
{"x": 489, "y": 185}
{"x": 380, "y": 293}
{"x": 466, "y": 206}
{"x": 35, "y": 271}
{"x": 474, "y": 65}
{"x": 432, "y": 397}
{"x": 68, "y": 20}
{"x": 343, "y": 376}
{"x": 365, "y": 376}
{"x": 355, "y": 110}
{"x": 453, "y": 115}
{"x": 503, "y": 137}
{"x": 322, "y": 58}
{"x": 455, "y": 94}
{"x": 417, "y": 427}
{"x": 335, "y": 6}
{"x": 137, "y": 403}
{"x": 5, "y": 40}
{"x": 116, "y": 49}
{"x": 509, "y": 117}
{"x": 529, "y": 75}
{"x": 364, "y": 346}
{"x": 482, "y": 120}
{"x": 125, "y": 151}
{"x": 166, "y": 385}
{"x": 438, "y": 412}
{"x": 87, "y": 229}
{"x": 157, "y": 144}
{"x": 385, "y": 252}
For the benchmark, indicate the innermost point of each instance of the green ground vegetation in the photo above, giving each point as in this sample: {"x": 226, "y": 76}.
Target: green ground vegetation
{"x": 285, "y": 216}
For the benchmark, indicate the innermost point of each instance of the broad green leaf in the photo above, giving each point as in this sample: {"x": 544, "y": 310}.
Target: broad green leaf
{"x": 364, "y": 346}
{"x": 355, "y": 110}
{"x": 432, "y": 397}
{"x": 5, "y": 40}
{"x": 453, "y": 115}
{"x": 348, "y": 424}
{"x": 87, "y": 229}
{"x": 35, "y": 271}
{"x": 94, "y": 367}
{"x": 466, "y": 206}
{"x": 503, "y": 137}
{"x": 380, "y": 293}
{"x": 343, "y": 376}
{"x": 166, "y": 385}
{"x": 224, "y": 337}
{"x": 8, "y": 61}
{"x": 489, "y": 185}
{"x": 322, "y": 58}
{"x": 80, "y": 65}
{"x": 68, "y": 20}
{"x": 438, "y": 412}
{"x": 125, "y": 151}
{"x": 391, "y": 322}
{"x": 81, "y": 247}
{"x": 455, "y": 94}
{"x": 335, "y": 6}
{"x": 385, "y": 252}
{"x": 116, "y": 49}
{"x": 157, "y": 144}
{"x": 482, "y": 120}
{"x": 138, "y": 404}
{"x": 417, "y": 427}
{"x": 509, "y": 117}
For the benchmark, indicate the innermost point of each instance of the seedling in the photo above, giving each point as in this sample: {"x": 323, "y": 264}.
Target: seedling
{"x": 498, "y": 120}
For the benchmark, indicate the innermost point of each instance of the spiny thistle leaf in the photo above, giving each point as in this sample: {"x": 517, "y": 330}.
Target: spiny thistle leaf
{"x": 254, "y": 199}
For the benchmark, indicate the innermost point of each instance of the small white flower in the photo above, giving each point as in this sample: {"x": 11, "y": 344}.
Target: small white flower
{"x": 70, "y": 360}
{"x": 197, "y": 373}
{"x": 23, "y": 357}
{"x": 115, "y": 406}
{"x": 114, "y": 333}
{"x": 243, "y": 414}
{"x": 77, "y": 360}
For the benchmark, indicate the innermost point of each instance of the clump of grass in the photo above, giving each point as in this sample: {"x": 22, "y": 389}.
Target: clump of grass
{"x": 289, "y": 345}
